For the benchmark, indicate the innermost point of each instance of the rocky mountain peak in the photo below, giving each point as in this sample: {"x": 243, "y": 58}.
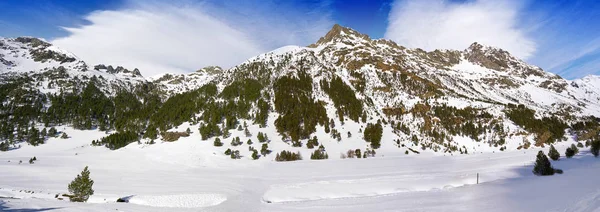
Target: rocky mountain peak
{"x": 490, "y": 57}
{"x": 339, "y": 34}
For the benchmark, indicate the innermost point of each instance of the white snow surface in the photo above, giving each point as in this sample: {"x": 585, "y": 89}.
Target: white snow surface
{"x": 188, "y": 175}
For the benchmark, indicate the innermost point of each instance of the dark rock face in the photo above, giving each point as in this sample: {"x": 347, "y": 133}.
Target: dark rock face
{"x": 337, "y": 33}
{"x": 34, "y": 42}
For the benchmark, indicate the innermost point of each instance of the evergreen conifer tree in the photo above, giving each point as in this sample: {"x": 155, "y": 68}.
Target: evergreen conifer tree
{"x": 595, "y": 147}
{"x": 81, "y": 187}
{"x": 553, "y": 154}
{"x": 52, "y": 132}
{"x": 542, "y": 165}
{"x": 247, "y": 132}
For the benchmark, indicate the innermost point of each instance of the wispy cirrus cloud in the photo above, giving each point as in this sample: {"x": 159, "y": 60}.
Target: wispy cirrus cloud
{"x": 556, "y": 35}
{"x": 443, "y": 24}
{"x": 184, "y": 36}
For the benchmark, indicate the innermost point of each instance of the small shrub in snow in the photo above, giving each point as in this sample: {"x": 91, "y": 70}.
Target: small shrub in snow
{"x": 312, "y": 143}
{"x": 264, "y": 150}
{"x": 319, "y": 154}
{"x": 64, "y": 136}
{"x": 574, "y": 148}
{"x": 255, "y": 154}
{"x": 236, "y": 141}
{"x": 287, "y": 156}
{"x": 569, "y": 152}
{"x": 369, "y": 153}
{"x": 173, "y": 136}
{"x": 235, "y": 154}
{"x": 228, "y": 151}
{"x": 218, "y": 142}
{"x": 262, "y": 137}
{"x": 350, "y": 154}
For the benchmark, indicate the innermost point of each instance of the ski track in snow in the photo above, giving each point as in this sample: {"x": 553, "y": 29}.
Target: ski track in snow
{"x": 179, "y": 200}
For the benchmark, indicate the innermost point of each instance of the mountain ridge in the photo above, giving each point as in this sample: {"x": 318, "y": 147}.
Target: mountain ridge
{"x": 447, "y": 101}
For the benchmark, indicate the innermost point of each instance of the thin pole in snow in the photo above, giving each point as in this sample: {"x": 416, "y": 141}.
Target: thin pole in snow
{"x": 477, "y": 178}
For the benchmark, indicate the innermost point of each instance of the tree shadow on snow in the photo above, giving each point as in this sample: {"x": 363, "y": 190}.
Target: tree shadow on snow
{"x": 3, "y": 207}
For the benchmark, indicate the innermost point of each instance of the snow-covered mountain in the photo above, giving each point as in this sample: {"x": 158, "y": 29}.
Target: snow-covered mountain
{"x": 438, "y": 129}
{"x": 443, "y": 100}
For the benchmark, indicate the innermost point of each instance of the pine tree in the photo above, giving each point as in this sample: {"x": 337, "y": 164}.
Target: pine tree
{"x": 264, "y": 150}
{"x": 228, "y": 151}
{"x": 247, "y": 132}
{"x": 553, "y": 154}
{"x": 542, "y": 165}
{"x": 4, "y": 146}
{"x": 319, "y": 155}
{"x": 64, "y": 136}
{"x": 81, "y": 187}
{"x": 261, "y": 137}
{"x": 373, "y": 134}
{"x": 595, "y": 147}
{"x": 226, "y": 132}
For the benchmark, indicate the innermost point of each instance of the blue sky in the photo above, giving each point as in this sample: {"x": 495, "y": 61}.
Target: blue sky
{"x": 561, "y": 36}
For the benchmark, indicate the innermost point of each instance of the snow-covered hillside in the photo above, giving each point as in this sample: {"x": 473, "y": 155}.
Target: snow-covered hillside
{"x": 378, "y": 126}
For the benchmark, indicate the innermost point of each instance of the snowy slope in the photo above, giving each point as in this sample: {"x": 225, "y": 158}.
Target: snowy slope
{"x": 189, "y": 175}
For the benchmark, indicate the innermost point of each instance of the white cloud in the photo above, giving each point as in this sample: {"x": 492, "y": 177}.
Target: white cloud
{"x": 178, "y": 38}
{"x": 441, "y": 24}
